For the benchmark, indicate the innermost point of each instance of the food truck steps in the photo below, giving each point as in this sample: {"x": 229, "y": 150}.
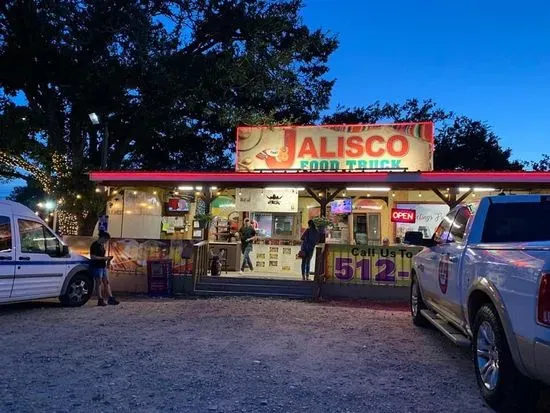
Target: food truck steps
{"x": 263, "y": 288}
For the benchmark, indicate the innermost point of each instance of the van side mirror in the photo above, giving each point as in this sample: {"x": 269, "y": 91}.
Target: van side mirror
{"x": 64, "y": 251}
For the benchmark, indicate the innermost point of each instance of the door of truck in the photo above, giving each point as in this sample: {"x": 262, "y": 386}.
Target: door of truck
{"x": 429, "y": 261}
{"x": 450, "y": 282}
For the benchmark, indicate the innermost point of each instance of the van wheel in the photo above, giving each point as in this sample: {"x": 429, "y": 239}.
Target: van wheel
{"x": 78, "y": 292}
{"x": 502, "y": 386}
{"x": 417, "y": 304}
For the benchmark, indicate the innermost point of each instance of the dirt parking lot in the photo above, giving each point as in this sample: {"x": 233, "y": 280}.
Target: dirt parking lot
{"x": 228, "y": 355}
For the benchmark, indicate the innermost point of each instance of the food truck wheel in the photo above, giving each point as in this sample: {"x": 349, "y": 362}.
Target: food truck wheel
{"x": 417, "y": 304}
{"x": 79, "y": 290}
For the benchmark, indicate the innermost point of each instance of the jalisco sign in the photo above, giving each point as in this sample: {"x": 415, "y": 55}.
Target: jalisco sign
{"x": 396, "y": 146}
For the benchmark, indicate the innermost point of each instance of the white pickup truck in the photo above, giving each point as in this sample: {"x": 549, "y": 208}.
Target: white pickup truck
{"x": 484, "y": 282}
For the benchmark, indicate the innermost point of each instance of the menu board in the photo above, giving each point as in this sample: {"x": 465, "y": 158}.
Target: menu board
{"x": 279, "y": 259}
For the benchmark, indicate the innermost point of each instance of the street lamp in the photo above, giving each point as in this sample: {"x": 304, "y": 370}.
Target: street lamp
{"x": 50, "y": 206}
{"x": 94, "y": 118}
{"x": 105, "y": 144}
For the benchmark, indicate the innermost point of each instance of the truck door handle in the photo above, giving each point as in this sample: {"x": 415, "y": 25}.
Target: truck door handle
{"x": 5, "y": 258}
{"x": 24, "y": 258}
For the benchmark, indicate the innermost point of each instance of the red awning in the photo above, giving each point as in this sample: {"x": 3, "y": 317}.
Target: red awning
{"x": 416, "y": 180}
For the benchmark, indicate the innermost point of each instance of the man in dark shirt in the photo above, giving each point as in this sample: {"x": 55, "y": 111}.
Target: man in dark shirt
{"x": 98, "y": 269}
{"x": 247, "y": 235}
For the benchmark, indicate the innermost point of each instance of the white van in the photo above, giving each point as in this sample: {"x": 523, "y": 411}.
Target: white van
{"x": 35, "y": 263}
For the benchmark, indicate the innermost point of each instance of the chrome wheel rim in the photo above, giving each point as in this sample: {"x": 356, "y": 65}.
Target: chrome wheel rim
{"x": 78, "y": 290}
{"x": 414, "y": 298}
{"x": 487, "y": 356}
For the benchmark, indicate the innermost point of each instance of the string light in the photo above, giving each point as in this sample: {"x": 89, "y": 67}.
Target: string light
{"x": 78, "y": 196}
{"x": 67, "y": 223}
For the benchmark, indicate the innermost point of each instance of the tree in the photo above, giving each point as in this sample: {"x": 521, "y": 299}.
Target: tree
{"x": 541, "y": 165}
{"x": 461, "y": 143}
{"x": 467, "y": 145}
{"x": 170, "y": 79}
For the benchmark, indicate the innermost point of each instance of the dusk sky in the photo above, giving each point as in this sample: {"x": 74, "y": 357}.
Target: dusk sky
{"x": 489, "y": 60}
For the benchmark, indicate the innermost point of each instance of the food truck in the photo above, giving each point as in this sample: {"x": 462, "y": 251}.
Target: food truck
{"x": 371, "y": 189}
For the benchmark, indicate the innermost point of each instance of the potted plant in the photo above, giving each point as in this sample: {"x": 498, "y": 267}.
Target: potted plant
{"x": 204, "y": 219}
{"x": 322, "y": 224}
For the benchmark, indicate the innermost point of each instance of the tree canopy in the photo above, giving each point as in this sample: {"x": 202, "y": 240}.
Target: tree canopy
{"x": 461, "y": 143}
{"x": 171, "y": 80}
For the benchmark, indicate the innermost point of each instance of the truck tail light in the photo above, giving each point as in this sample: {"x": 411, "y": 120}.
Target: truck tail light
{"x": 543, "y": 302}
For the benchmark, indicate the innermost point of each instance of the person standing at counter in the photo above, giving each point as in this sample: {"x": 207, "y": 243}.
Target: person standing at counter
{"x": 247, "y": 235}
{"x": 310, "y": 238}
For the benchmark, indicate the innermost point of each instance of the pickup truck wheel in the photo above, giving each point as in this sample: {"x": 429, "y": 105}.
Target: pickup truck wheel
{"x": 501, "y": 384}
{"x": 417, "y": 304}
{"x": 78, "y": 292}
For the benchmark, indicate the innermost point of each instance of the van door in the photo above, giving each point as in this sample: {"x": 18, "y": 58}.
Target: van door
{"x": 7, "y": 261}
{"x": 39, "y": 269}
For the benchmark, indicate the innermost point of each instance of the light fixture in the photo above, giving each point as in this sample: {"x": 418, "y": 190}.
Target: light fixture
{"x": 420, "y": 195}
{"x": 240, "y": 193}
{"x": 197, "y": 193}
{"x": 393, "y": 194}
{"x": 154, "y": 192}
{"x": 97, "y": 190}
{"x": 78, "y": 196}
{"x": 474, "y": 194}
{"x": 213, "y": 188}
{"x": 372, "y": 189}
{"x": 477, "y": 189}
{"x": 50, "y": 205}
{"x": 176, "y": 193}
{"x": 185, "y": 188}
{"x": 320, "y": 194}
{"x": 135, "y": 192}
{"x": 218, "y": 193}
{"x": 93, "y": 118}
{"x": 115, "y": 192}
{"x": 344, "y": 193}
{"x": 282, "y": 188}
{"x": 198, "y": 188}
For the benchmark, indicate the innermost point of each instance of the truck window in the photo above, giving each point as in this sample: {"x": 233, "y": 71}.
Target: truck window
{"x": 5, "y": 234}
{"x": 442, "y": 232}
{"x": 459, "y": 225}
{"x": 517, "y": 222}
{"x": 36, "y": 238}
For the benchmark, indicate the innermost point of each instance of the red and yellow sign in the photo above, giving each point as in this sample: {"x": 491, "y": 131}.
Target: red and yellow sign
{"x": 362, "y": 147}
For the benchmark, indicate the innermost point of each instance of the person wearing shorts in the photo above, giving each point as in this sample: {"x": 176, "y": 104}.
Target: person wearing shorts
{"x": 98, "y": 269}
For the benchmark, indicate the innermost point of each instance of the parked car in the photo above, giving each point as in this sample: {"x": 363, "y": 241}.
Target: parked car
{"x": 484, "y": 282}
{"x": 35, "y": 263}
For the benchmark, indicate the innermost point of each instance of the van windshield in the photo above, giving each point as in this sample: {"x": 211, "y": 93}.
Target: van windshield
{"x": 517, "y": 222}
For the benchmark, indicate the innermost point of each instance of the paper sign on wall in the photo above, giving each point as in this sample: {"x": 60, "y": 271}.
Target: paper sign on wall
{"x": 267, "y": 200}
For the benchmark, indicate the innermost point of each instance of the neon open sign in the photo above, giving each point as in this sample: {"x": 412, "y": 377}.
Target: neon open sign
{"x": 404, "y": 216}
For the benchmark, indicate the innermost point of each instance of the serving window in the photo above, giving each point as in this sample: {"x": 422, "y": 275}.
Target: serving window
{"x": 275, "y": 225}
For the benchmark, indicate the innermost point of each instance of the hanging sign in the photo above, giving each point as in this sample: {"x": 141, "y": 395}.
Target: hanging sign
{"x": 266, "y": 200}
{"x": 360, "y": 147}
{"x": 405, "y": 216}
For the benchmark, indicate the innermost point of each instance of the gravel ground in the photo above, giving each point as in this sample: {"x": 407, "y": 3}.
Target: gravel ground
{"x": 228, "y": 355}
